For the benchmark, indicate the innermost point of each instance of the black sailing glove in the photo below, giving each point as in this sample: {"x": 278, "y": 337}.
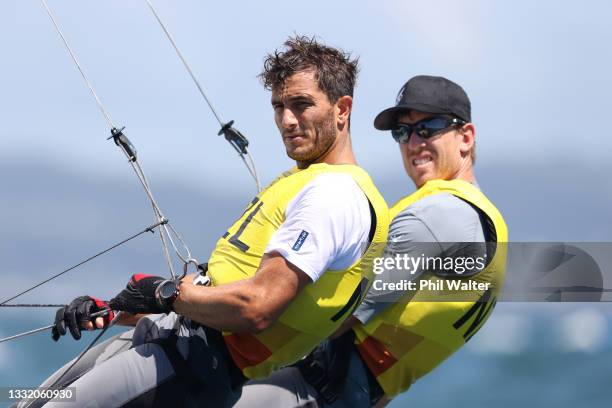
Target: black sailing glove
{"x": 76, "y": 314}
{"x": 139, "y": 296}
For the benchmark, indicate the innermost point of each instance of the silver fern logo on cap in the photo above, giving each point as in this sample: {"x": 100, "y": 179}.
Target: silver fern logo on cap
{"x": 400, "y": 94}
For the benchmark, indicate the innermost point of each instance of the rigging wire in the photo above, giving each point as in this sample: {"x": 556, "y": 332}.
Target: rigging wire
{"x": 76, "y": 62}
{"x": 195, "y": 80}
{"x": 34, "y": 305}
{"x": 167, "y": 231}
{"x": 80, "y": 356}
{"x": 148, "y": 229}
{"x": 50, "y": 326}
{"x": 27, "y": 333}
{"x": 123, "y": 142}
{"x": 234, "y": 137}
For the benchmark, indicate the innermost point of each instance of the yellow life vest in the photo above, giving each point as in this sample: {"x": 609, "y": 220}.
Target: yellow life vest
{"x": 413, "y": 336}
{"x": 320, "y": 308}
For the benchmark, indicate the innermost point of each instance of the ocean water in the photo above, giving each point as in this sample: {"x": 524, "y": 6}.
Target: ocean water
{"x": 527, "y": 355}
{"x": 534, "y": 378}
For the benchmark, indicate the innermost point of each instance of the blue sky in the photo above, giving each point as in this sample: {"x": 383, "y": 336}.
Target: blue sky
{"x": 537, "y": 74}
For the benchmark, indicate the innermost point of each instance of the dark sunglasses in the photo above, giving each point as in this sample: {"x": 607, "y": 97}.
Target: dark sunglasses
{"x": 425, "y": 128}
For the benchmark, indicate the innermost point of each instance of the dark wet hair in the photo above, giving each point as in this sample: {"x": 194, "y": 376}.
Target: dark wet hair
{"x": 334, "y": 69}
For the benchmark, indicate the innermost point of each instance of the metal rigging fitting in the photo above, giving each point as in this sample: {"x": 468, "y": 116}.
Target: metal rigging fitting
{"x": 122, "y": 141}
{"x": 234, "y": 137}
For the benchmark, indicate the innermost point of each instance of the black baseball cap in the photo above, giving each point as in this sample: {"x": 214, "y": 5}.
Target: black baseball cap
{"x": 430, "y": 94}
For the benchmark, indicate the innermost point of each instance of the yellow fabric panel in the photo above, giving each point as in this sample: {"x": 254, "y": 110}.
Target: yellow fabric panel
{"x": 397, "y": 348}
{"x": 435, "y": 321}
{"x": 313, "y": 315}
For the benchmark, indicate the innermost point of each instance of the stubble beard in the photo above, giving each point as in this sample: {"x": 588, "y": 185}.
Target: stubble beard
{"x": 325, "y": 136}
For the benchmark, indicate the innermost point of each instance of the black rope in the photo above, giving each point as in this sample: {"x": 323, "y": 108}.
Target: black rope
{"x": 89, "y": 347}
{"x": 94, "y": 341}
{"x": 148, "y": 229}
{"x": 34, "y": 305}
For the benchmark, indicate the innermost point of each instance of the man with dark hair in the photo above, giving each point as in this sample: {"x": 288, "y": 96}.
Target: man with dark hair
{"x": 335, "y": 71}
{"x": 397, "y": 336}
{"x": 283, "y": 277}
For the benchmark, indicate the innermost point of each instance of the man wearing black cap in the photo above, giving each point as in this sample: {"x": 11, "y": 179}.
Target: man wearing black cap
{"x": 397, "y": 336}
{"x": 432, "y": 106}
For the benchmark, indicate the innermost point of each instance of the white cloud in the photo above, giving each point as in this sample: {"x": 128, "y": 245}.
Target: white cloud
{"x": 583, "y": 331}
{"x": 504, "y": 333}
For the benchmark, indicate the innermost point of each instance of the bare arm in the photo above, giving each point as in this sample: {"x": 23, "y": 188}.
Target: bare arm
{"x": 249, "y": 305}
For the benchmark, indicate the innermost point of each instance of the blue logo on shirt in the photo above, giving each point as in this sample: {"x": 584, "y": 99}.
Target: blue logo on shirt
{"x": 300, "y": 241}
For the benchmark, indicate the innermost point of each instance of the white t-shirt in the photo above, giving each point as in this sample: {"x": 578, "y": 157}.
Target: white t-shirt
{"x": 326, "y": 225}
